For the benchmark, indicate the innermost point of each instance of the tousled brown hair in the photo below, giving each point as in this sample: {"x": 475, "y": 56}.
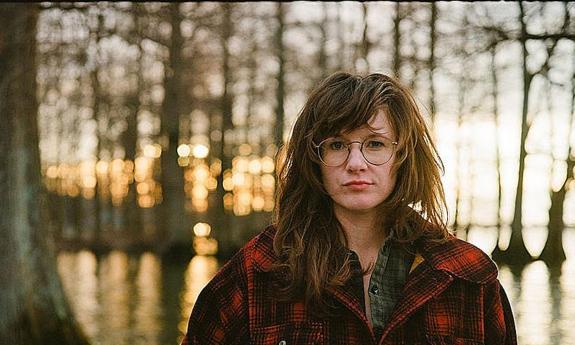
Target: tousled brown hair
{"x": 310, "y": 243}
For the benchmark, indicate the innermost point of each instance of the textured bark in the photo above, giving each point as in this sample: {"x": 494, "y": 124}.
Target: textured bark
{"x": 495, "y": 98}
{"x": 173, "y": 217}
{"x": 516, "y": 252}
{"x": 365, "y": 44}
{"x": 431, "y": 62}
{"x": 341, "y": 60}
{"x": 132, "y": 218}
{"x": 97, "y": 100}
{"x": 253, "y": 94}
{"x": 280, "y": 78}
{"x": 322, "y": 54}
{"x": 33, "y": 304}
{"x": 220, "y": 217}
{"x": 553, "y": 252}
{"x": 397, "y": 40}
{"x": 462, "y": 89}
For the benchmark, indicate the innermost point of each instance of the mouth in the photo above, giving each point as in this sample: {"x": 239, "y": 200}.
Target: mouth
{"x": 357, "y": 183}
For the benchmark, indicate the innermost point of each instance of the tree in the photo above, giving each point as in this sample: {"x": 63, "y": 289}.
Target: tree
{"x": 431, "y": 62}
{"x": 340, "y": 34}
{"x": 322, "y": 53}
{"x": 516, "y": 252}
{"x": 397, "y": 40}
{"x": 97, "y": 103}
{"x": 33, "y": 304}
{"x": 364, "y": 46}
{"x": 219, "y": 214}
{"x": 130, "y": 135}
{"x": 280, "y": 78}
{"x": 463, "y": 144}
{"x": 496, "y": 117}
{"x": 553, "y": 252}
{"x": 173, "y": 214}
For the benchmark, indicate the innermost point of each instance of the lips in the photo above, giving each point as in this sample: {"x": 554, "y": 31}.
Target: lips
{"x": 357, "y": 183}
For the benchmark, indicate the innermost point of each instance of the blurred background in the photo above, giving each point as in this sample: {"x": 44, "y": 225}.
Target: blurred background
{"x": 158, "y": 126}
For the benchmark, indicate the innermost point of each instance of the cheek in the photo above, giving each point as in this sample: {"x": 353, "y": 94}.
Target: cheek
{"x": 329, "y": 180}
{"x": 387, "y": 180}
{"x": 391, "y": 182}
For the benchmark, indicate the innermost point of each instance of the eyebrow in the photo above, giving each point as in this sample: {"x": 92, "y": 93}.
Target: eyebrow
{"x": 372, "y": 134}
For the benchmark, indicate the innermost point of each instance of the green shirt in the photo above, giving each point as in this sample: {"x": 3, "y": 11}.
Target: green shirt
{"x": 386, "y": 282}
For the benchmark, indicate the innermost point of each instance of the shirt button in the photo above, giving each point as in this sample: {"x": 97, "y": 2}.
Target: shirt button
{"x": 374, "y": 290}
{"x": 283, "y": 342}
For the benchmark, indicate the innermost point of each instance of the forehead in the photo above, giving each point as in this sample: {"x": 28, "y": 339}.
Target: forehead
{"x": 378, "y": 124}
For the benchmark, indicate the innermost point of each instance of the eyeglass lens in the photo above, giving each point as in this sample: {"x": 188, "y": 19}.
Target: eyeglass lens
{"x": 376, "y": 150}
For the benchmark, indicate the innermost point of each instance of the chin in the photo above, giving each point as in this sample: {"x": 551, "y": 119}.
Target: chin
{"x": 359, "y": 205}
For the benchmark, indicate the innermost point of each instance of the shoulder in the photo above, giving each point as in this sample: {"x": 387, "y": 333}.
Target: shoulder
{"x": 233, "y": 278}
{"x": 260, "y": 250}
{"x": 257, "y": 253}
{"x": 460, "y": 259}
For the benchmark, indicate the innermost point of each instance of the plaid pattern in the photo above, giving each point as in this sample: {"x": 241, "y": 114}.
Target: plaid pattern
{"x": 387, "y": 281}
{"x": 451, "y": 297}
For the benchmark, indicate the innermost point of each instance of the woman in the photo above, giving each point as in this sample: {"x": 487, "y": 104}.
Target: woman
{"x": 358, "y": 252}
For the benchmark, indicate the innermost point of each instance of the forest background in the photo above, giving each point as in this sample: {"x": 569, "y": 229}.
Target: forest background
{"x": 138, "y": 145}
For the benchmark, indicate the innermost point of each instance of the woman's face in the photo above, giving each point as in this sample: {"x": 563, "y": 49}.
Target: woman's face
{"x": 356, "y": 185}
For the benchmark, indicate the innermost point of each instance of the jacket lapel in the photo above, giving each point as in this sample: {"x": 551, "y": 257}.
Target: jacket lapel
{"x": 349, "y": 301}
{"x": 422, "y": 285}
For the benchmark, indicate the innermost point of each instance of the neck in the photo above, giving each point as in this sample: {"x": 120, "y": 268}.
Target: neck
{"x": 360, "y": 228}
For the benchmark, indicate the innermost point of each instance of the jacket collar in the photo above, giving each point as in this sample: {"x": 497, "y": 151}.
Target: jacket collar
{"x": 457, "y": 258}
{"x": 453, "y": 256}
{"x": 260, "y": 250}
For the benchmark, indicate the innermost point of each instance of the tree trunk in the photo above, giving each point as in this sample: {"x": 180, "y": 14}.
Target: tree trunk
{"x": 553, "y": 252}
{"x": 173, "y": 220}
{"x": 495, "y": 97}
{"x": 97, "y": 100}
{"x": 220, "y": 217}
{"x": 33, "y": 304}
{"x": 431, "y": 67}
{"x": 280, "y": 91}
{"x": 341, "y": 54}
{"x": 252, "y": 128}
{"x": 131, "y": 208}
{"x": 397, "y": 41}
{"x": 365, "y": 45}
{"x": 461, "y": 90}
{"x": 516, "y": 252}
{"x": 322, "y": 54}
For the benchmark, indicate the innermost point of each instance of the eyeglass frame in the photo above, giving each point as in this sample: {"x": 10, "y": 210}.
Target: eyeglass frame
{"x": 348, "y": 146}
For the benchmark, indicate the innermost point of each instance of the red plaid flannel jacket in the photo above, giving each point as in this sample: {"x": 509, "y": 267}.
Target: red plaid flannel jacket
{"x": 452, "y": 296}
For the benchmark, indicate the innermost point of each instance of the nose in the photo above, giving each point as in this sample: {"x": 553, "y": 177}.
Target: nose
{"x": 355, "y": 160}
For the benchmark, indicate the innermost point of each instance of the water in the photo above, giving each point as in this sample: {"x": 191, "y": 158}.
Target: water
{"x": 122, "y": 299}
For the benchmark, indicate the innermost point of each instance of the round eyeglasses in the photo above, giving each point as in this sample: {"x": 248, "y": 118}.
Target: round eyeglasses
{"x": 376, "y": 150}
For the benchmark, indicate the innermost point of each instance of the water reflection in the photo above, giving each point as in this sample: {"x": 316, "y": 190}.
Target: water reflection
{"x": 543, "y": 301}
{"x": 148, "y": 309}
{"x": 567, "y": 303}
{"x": 200, "y": 270}
{"x": 137, "y": 299}
{"x": 115, "y": 296}
{"x": 78, "y": 272}
{"x": 534, "y": 305}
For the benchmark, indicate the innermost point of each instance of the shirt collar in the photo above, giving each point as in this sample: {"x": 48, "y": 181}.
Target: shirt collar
{"x": 454, "y": 256}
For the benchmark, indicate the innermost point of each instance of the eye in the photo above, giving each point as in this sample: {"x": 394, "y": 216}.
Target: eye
{"x": 336, "y": 145}
{"x": 376, "y": 144}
